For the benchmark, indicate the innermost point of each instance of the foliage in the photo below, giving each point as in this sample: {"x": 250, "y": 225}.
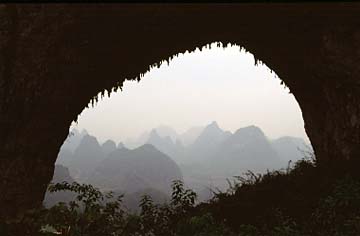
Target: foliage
{"x": 91, "y": 214}
{"x": 302, "y": 200}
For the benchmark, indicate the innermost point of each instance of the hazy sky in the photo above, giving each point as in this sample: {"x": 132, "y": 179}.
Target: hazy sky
{"x": 193, "y": 90}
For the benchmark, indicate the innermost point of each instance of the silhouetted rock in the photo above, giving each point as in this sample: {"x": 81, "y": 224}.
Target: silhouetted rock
{"x": 217, "y": 155}
{"x": 166, "y": 145}
{"x": 167, "y": 131}
{"x": 214, "y": 156}
{"x": 108, "y": 147}
{"x": 86, "y": 158}
{"x": 290, "y": 148}
{"x": 120, "y": 145}
{"x": 247, "y": 149}
{"x": 134, "y": 170}
{"x": 207, "y": 143}
{"x": 159, "y": 142}
{"x": 73, "y": 140}
{"x": 64, "y": 157}
{"x": 189, "y": 136}
{"x": 61, "y": 173}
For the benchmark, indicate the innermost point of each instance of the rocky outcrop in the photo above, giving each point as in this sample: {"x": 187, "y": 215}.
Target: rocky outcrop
{"x": 55, "y": 58}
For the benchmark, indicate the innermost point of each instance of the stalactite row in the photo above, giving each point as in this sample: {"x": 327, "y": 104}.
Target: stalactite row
{"x": 119, "y": 84}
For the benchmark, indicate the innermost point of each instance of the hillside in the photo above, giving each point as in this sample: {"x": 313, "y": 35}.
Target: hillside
{"x": 135, "y": 170}
{"x": 61, "y": 173}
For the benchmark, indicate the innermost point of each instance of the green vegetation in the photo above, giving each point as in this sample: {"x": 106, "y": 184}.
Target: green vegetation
{"x": 306, "y": 199}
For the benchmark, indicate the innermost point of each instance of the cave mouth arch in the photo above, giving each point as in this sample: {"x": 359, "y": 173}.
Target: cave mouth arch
{"x": 207, "y": 55}
{"x": 70, "y": 60}
{"x": 212, "y": 50}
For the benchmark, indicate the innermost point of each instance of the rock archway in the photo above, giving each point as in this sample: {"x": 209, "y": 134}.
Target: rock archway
{"x": 55, "y": 58}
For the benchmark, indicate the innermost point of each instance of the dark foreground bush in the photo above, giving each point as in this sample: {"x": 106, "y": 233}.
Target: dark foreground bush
{"x": 307, "y": 199}
{"x": 304, "y": 200}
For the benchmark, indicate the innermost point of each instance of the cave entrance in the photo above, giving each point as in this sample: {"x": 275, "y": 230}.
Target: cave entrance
{"x": 203, "y": 117}
{"x": 89, "y": 49}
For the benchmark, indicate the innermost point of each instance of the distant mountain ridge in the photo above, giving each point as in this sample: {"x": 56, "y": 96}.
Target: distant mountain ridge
{"x": 186, "y": 138}
{"x": 247, "y": 148}
{"x": 135, "y": 170}
{"x": 212, "y": 156}
{"x": 166, "y": 145}
{"x": 108, "y": 147}
{"x": 206, "y": 143}
{"x": 73, "y": 140}
{"x": 86, "y": 157}
{"x": 293, "y": 147}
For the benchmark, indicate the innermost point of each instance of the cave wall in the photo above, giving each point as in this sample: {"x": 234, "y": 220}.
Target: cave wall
{"x": 55, "y": 58}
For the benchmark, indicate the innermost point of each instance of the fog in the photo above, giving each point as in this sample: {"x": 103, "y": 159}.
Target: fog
{"x": 216, "y": 84}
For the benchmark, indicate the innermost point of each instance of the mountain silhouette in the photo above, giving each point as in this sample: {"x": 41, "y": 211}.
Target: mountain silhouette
{"x": 166, "y": 145}
{"x": 211, "y": 156}
{"x": 120, "y": 145}
{"x": 73, "y": 140}
{"x": 190, "y": 135}
{"x": 61, "y": 173}
{"x": 217, "y": 155}
{"x": 65, "y": 156}
{"x": 207, "y": 143}
{"x": 167, "y": 131}
{"x": 87, "y": 156}
{"x": 108, "y": 147}
{"x": 247, "y": 149}
{"x": 134, "y": 170}
{"x": 290, "y": 148}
